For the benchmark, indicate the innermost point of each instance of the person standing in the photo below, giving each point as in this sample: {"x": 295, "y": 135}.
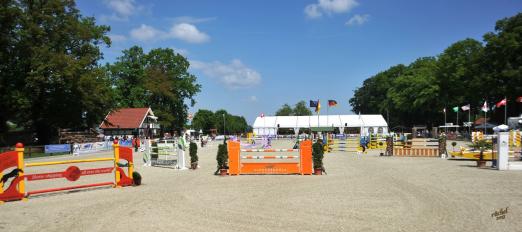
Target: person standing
{"x": 146, "y": 154}
{"x": 182, "y": 144}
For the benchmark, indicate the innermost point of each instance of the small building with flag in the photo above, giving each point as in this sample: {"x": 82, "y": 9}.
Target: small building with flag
{"x": 130, "y": 122}
{"x": 345, "y": 124}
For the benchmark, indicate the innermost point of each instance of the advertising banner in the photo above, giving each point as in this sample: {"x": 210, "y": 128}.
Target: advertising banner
{"x": 56, "y": 148}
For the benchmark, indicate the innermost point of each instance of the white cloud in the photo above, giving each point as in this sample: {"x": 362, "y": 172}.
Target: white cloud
{"x": 182, "y": 31}
{"x": 146, "y": 33}
{"x": 192, "y": 20}
{"x": 358, "y": 20}
{"x": 316, "y": 10}
{"x": 233, "y": 75}
{"x": 122, "y": 9}
{"x": 181, "y": 51}
{"x": 312, "y": 11}
{"x": 117, "y": 38}
{"x": 188, "y": 33}
{"x": 252, "y": 98}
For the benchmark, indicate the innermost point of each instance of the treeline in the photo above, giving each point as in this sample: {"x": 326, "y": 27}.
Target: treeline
{"x": 467, "y": 72}
{"x": 300, "y": 109}
{"x": 221, "y": 120}
{"x": 51, "y": 77}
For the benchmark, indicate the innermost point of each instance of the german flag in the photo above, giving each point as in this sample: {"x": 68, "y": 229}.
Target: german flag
{"x": 332, "y": 102}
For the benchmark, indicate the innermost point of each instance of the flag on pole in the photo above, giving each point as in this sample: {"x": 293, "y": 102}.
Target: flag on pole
{"x": 313, "y": 103}
{"x": 318, "y": 108}
{"x": 466, "y": 107}
{"x": 503, "y": 102}
{"x": 485, "y": 107}
{"x": 332, "y": 102}
{"x": 519, "y": 99}
{"x": 456, "y": 109}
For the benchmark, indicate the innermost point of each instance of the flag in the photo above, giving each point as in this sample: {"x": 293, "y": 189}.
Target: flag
{"x": 262, "y": 115}
{"x": 485, "y": 107}
{"x": 502, "y": 103}
{"x": 466, "y": 107}
{"x": 318, "y": 108}
{"x": 313, "y": 103}
{"x": 519, "y": 99}
{"x": 332, "y": 102}
{"x": 456, "y": 109}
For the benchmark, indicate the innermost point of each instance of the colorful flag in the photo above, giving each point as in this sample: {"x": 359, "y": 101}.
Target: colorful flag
{"x": 313, "y": 103}
{"x": 519, "y": 99}
{"x": 455, "y": 109}
{"x": 332, "y": 102}
{"x": 318, "y": 108}
{"x": 485, "y": 107}
{"x": 502, "y": 103}
{"x": 466, "y": 107}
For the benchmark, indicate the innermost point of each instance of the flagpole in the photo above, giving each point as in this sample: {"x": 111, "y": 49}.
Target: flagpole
{"x": 469, "y": 121}
{"x": 445, "y": 128}
{"x": 505, "y": 111}
{"x": 485, "y": 116}
{"x": 457, "y": 116}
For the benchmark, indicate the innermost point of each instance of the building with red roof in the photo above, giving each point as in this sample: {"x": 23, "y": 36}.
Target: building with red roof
{"x": 130, "y": 122}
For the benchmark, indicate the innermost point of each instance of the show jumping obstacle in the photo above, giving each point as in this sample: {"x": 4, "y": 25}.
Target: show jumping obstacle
{"x": 246, "y": 164}
{"x": 15, "y": 160}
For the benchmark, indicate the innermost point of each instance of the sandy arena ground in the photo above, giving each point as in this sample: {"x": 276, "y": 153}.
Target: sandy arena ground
{"x": 360, "y": 193}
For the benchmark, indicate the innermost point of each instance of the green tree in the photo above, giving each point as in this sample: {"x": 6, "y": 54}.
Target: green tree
{"x": 456, "y": 68}
{"x": 501, "y": 66}
{"x": 159, "y": 80}
{"x": 285, "y": 110}
{"x": 203, "y": 120}
{"x": 128, "y": 76}
{"x": 300, "y": 109}
{"x": 52, "y": 67}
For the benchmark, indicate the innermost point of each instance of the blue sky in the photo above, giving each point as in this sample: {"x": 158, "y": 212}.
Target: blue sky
{"x": 251, "y": 57}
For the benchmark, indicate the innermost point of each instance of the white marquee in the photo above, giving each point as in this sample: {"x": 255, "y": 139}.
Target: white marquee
{"x": 268, "y": 125}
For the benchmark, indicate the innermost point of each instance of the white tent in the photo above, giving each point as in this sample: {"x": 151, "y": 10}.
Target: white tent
{"x": 268, "y": 125}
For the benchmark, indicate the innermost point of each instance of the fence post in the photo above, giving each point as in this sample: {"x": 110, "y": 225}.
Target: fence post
{"x": 21, "y": 185}
{"x": 233, "y": 157}
{"x": 116, "y": 146}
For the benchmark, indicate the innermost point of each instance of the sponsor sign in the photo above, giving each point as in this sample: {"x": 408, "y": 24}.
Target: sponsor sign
{"x": 55, "y": 148}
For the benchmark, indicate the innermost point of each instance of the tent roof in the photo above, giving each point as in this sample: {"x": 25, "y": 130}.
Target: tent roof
{"x": 320, "y": 121}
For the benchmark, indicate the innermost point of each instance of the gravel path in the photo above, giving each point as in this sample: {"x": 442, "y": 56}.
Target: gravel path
{"x": 360, "y": 193}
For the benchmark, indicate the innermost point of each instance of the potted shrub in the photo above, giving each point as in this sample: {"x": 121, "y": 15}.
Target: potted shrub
{"x": 481, "y": 145}
{"x": 453, "y": 144}
{"x": 136, "y": 178}
{"x": 381, "y": 144}
{"x": 222, "y": 159}
{"x": 193, "y": 152}
{"x": 317, "y": 156}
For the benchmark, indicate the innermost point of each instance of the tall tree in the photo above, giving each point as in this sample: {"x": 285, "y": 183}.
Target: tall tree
{"x": 158, "y": 79}
{"x": 54, "y": 53}
{"x": 203, "y": 120}
{"x": 300, "y": 109}
{"x": 285, "y": 110}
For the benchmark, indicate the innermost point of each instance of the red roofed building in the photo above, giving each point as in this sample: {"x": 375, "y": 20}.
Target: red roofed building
{"x": 130, "y": 121}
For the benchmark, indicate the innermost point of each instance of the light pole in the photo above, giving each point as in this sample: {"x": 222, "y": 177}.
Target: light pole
{"x": 224, "y": 133}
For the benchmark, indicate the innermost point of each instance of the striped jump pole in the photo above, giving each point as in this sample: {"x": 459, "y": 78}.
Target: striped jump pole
{"x": 16, "y": 191}
{"x": 293, "y": 164}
